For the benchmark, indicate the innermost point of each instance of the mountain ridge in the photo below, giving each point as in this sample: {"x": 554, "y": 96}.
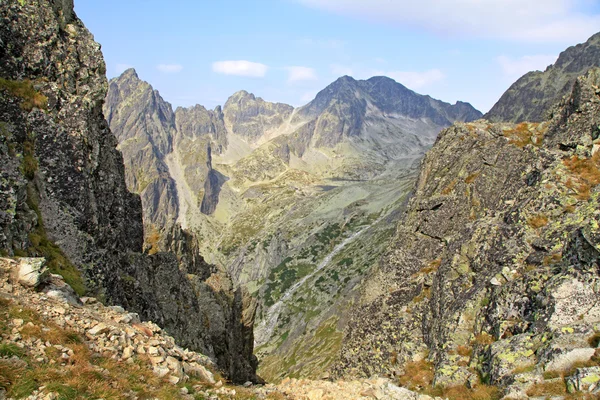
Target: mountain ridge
{"x": 532, "y": 97}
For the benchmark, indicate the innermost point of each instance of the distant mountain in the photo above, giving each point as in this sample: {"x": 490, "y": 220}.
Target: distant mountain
{"x": 348, "y": 107}
{"x": 278, "y": 195}
{"x": 534, "y": 94}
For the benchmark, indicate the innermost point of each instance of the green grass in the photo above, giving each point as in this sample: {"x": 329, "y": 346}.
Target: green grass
{"x": 9, "y": 350}
{"x": 30, "y": 97}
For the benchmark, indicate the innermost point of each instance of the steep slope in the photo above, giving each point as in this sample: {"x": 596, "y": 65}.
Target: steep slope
{"x": 533, "y": 95}
{"x": 290, "y": 201}
{"x": 64, "y": 196}
{"x": 493, "y": 271}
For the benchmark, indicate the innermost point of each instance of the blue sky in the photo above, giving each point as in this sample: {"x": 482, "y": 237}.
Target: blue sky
{"x": 201, "y": 52}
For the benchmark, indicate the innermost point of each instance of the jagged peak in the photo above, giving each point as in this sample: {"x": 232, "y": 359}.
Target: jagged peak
{"x": 129, "y": 73}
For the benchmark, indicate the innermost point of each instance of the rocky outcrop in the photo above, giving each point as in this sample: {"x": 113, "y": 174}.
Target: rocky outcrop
{"x": 494, "y": 269}
{"x": 532, "y": 97}
{"x": 64, "y": 195}
{"x": 251, "y": 117}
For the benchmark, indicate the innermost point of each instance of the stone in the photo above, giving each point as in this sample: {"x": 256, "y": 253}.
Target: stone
{"x": 161, "y": 372}
{"x": 99, "y": 329}
{"x": 564, "y": 360}
{"x": 31, "y": 272}
{"x": 315, "y": 394}
{"x": 200, "y": 372}
{"x": 585, "y": 380}
{"x": 174, "y": 379}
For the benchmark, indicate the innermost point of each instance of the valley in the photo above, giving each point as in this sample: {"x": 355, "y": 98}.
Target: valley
{"x": 373, "y": 243}
{"x": 302, "y": 201}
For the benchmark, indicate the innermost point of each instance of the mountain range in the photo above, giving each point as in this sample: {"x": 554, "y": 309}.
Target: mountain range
{"x": 271, "y": 190}
{"x": 376, "y": 241}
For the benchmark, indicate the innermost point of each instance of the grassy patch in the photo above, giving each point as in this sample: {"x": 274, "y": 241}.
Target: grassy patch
{"x": 418, "y": 375}
{"x": 585, "y": 174}
{"x": 9, "y": 350}
{"x": 25, "y": 91}
{"x": 537, "y": 221}
{"x": 483, "y": 339}
{"x": 525, "y": 133}
{"x": 552, "y": 388}
{"x": 41, "y": 246}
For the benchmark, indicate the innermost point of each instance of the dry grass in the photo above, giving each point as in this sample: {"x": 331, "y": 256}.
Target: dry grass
{"x": 552, "y": 259}
{"x": 153, "y": 240}
{"x": 554, "y": 388}
{"x": 418, "y": 375}
{"x": 430, "y": 268}
{"x": 483, "y": 339}
{"x": 480, "y": 392}
{"x": 448, "y": 189}
{"x": 585, "y": 174}
{"x": 537, "y": 221}
{"x": 465, "y": 351}
{"x": 524, "y": 134}
{"x": 24, "y": 90}
{"x": 471, "y": 178}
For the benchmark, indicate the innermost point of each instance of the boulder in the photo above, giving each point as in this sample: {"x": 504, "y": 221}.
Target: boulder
{"x": 30, "y": 272}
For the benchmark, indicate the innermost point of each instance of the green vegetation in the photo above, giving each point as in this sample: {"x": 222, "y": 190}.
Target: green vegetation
{"x": 282, "y": 277}
{"x": 25, "y": 91}
{"x": 41, "y": 246}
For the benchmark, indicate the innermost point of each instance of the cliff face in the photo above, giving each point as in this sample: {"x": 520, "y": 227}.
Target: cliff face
{"x": 63, "y": 193}
{"x": 533, "y": 95}
{"x": 494, "y": 269}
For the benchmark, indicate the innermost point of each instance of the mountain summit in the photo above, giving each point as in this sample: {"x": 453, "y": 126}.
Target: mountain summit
{"x": 533, "y": 95}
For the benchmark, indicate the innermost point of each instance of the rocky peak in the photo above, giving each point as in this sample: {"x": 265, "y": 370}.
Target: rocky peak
{"x": 532, "y": 96}
{"x": 251, "y": 117}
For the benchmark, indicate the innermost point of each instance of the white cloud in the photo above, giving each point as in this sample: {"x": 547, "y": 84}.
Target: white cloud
{"x": 120, "y": 68}
{"x": 555, "y": 21}
{"x": 169, "y": 68}
{"x": 297, "y": 74}
{"x": 516, "y": 67}
{"x": 240, "y": 68}
{"x": 340, "y": 70}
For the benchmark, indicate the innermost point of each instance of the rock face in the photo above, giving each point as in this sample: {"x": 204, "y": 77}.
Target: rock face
{"x": 533, "y": 95}
{"x": 494, "y": 268}
{"x": 63, "y": 192}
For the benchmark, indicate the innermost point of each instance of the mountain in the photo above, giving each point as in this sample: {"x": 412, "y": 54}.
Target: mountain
{"x": 296, "y": 204}
{"x": 535, "y": 93}
{"x": 490, "y": 276}
{"x": 63, "y": 193}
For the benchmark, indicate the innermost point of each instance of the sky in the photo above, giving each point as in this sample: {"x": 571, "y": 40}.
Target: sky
{"x": 201, "y": 52}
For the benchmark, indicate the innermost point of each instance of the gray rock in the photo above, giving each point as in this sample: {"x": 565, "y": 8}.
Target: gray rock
{"x": 31, "y": 272}
{"x": 585, "y": 380}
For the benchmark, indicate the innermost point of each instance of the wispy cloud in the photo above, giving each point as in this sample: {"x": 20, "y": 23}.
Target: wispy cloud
{"x": 298, "y": 74}
{"x": 120, "y": 68}
{"x": 554, "y": 21}
{"x": 240, "y": 68}
{"x": 169, "y": 68}
{"x": 416, "y": 79}
{"x": 515, "y": 67}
